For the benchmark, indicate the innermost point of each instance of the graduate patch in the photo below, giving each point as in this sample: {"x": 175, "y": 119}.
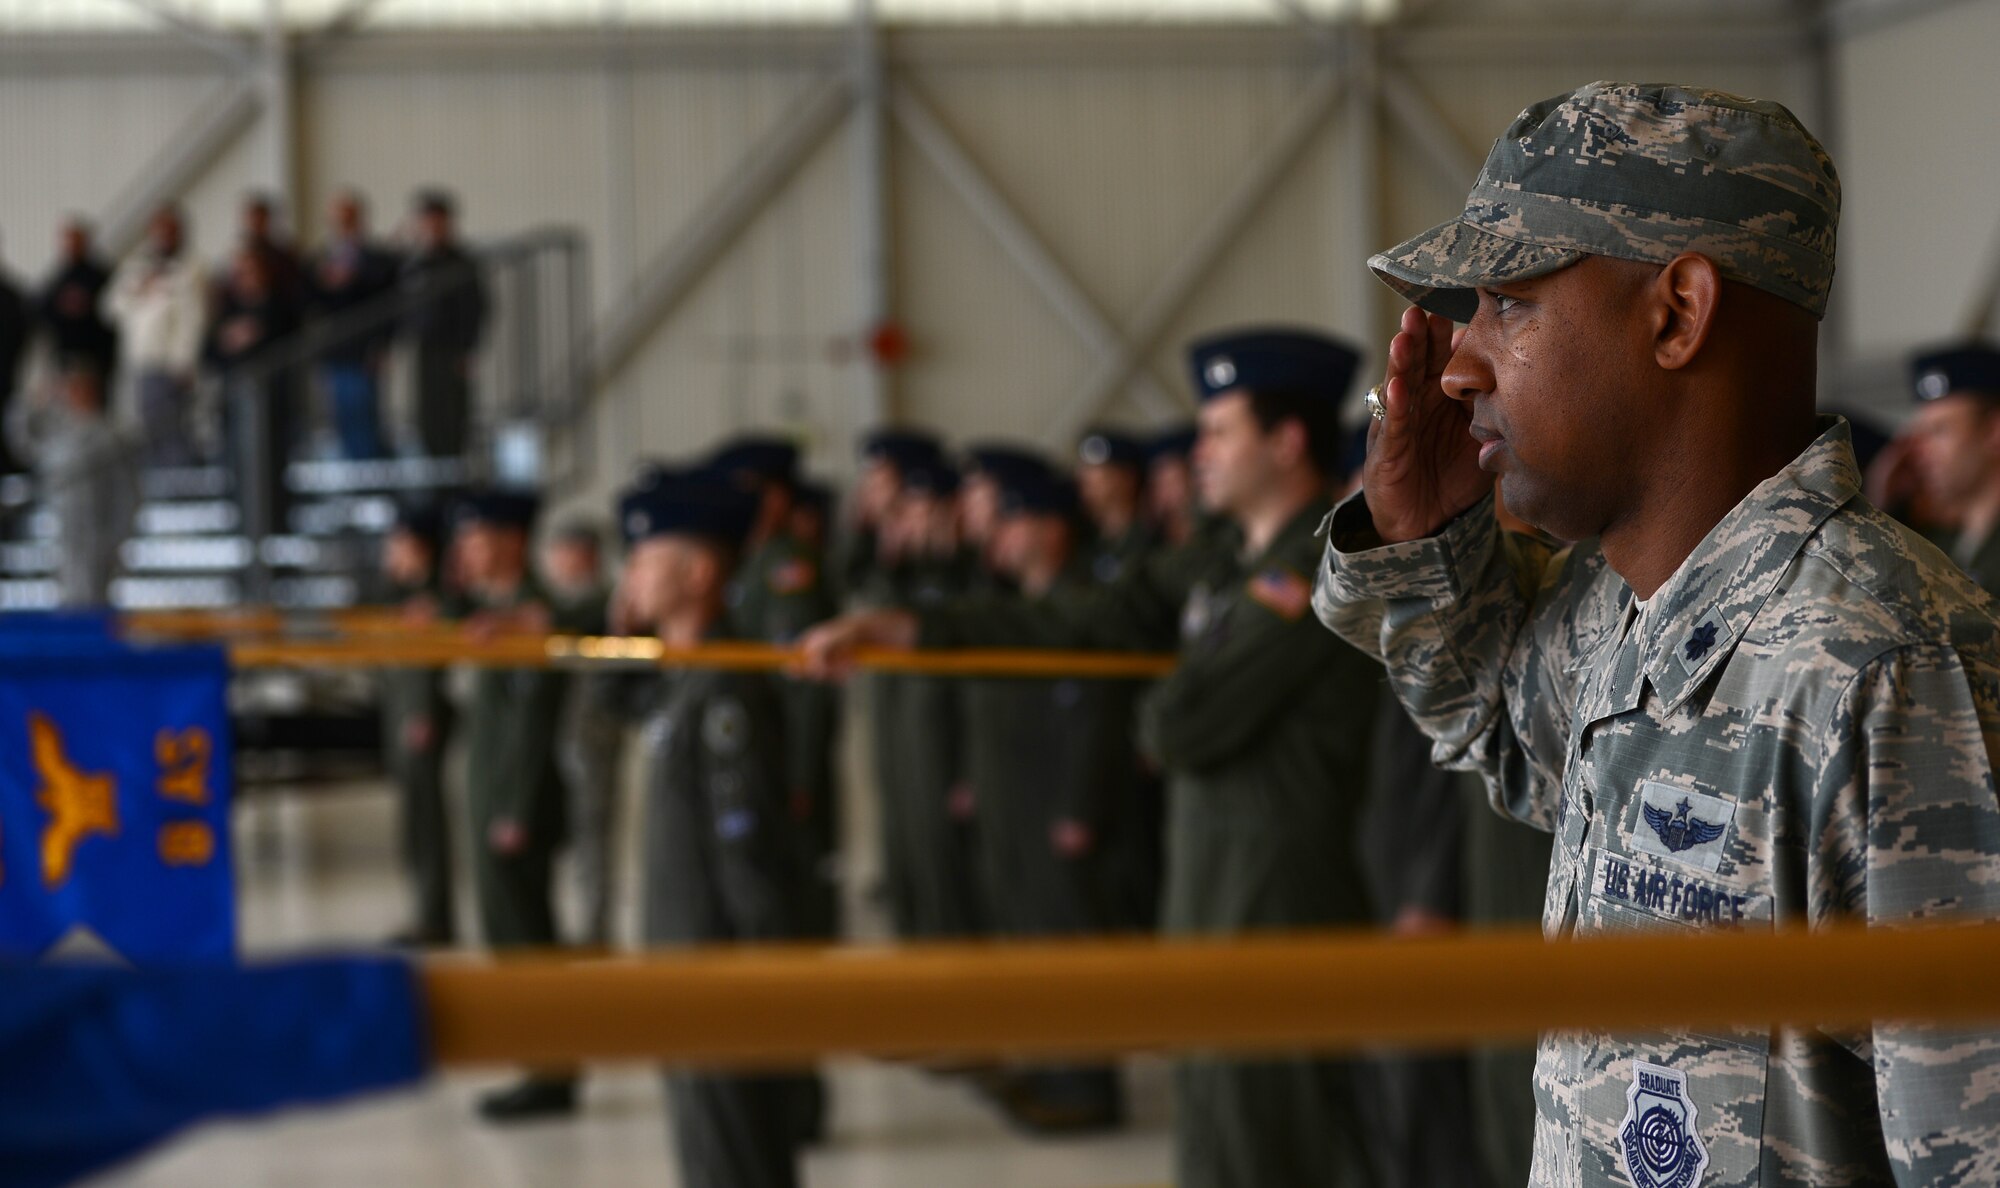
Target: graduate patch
{"x": 793, "y": 577}
{"x": 1658, "y": 1139}
{"x": 1286, "y": 593}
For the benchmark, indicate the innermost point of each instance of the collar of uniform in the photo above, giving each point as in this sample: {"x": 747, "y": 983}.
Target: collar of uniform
{"x": 1299, "y": 534}
{"x": 1697, "y": 617}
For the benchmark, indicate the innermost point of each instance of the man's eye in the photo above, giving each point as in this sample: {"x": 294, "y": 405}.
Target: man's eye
{"x": 1502, "y": 303}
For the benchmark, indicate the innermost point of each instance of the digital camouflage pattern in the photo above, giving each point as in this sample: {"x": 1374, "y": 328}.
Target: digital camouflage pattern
{"x": 1611, "y": 170}
{"x": 1797, "y": 729}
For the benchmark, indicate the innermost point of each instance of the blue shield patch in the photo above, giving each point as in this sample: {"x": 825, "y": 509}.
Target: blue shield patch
{"x": 1658, "y": 1139}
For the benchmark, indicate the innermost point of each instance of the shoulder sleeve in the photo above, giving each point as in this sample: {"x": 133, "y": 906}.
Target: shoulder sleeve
{"x": 1478, "y": 629}
{"x": 1905, "y": 826}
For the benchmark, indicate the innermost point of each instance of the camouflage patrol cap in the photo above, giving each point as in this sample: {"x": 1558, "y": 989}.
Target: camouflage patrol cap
{"x": 1639, "y": 172}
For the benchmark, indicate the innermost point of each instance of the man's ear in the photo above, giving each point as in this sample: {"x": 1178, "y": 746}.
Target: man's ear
{"x": 1294, "y": 441}
{"x": 1989, "y": 424}
{"x": 1686, "y": 297}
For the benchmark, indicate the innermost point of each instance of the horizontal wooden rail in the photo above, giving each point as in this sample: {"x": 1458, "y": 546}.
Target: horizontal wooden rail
{"x": 1330, "y": 993}
{"x": 434, "y": 649}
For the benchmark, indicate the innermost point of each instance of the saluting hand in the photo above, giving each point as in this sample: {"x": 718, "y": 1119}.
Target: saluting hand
{"x": 1423, "y": 464}
{"x": 826, "y": 652}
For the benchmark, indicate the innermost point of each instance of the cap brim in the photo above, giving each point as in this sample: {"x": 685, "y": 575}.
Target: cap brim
{"x": 1440, "y": 269}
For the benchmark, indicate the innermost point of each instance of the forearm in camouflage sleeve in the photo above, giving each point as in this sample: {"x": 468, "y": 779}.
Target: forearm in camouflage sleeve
{"x": 1475, "y": 629}
{"x": 1906, "y": 826}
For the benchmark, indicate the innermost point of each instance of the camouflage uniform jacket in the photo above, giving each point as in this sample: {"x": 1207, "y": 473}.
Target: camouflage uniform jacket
{"x": 1797, "y": 728}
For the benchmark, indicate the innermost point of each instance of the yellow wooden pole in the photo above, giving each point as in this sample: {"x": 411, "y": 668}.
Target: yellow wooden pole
{"x": 1325, "y": 993}
{"x": 435, "y": 649}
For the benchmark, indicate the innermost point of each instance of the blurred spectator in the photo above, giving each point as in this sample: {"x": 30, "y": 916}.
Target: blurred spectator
{"x": 159, "y": 304}
{"x": 349, "y": 276}
{"x": 69, "y": 305}
{"x": 447, "y": 313}
{"x": 15, "y": 324}
{"x": 245, "y": 346}
{"x": 284, "y": 274}
{"x": 83, "y": 467}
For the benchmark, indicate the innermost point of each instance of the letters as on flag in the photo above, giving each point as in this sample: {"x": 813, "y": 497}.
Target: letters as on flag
{"x": 115, "y": 780}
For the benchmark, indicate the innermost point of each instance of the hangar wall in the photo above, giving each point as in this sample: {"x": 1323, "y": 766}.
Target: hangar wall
{"x": 1113, "y": 147}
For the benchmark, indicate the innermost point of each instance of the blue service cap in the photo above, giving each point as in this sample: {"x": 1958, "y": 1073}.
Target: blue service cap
{"x": 500, "y": 509}
{"x": 1000, "y": 461}
{"x": 814, "y": 495}
{"x": 936, "y": 478}
{"x": 1109, "y": 447}
{"x": 1301, "y": 361}
{"x": 421, "y": 520}
{"x": 770, "y": 459}
{"x": 1961, "y": 367}
{"x": 901, "y": 448}
{"x": 1037, "y": 493}
{"x": 701, "y": 502}
{"x": 1177, "y": 442}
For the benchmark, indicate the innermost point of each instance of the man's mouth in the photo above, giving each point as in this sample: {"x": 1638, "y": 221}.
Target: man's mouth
{"x": 1490, "y": 443}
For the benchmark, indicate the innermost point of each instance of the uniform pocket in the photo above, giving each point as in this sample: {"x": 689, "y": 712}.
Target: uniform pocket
{"x": 1675, "y": 1110}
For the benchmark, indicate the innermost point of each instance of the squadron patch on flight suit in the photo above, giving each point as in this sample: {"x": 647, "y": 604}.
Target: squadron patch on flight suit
{"x": 1286, "y": 593}
{"x": 792, "y": 576}
{"x": 1658, "y": 1139}
{"x": 726, "y": 727}
{"x": 1196, "y": 614}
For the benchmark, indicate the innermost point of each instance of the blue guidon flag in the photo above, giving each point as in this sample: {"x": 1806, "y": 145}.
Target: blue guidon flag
{"x": 115, "y": 780}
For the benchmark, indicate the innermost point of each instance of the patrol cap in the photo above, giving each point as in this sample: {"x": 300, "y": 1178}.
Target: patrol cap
{"x": 938, "y": 479}
{"x": 497, "y": 509}
{"x": 770, "y": 459}
{"x": 1972, "y": 367}
{"x": 1109, "y": 447}
{"x": 1638, "y": 171}
{"x": 1271, "y": 360}
{"x": 901, "y": 448}
{"x": 1177, "y": 442}
{"x": 1043, "y": 493}
{"x": 702, "y": 502}
{"x": 1000, "y": 461}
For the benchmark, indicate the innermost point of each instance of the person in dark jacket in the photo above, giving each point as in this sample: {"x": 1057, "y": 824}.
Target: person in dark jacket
{"x": 348, "y": 283}
{"x": 67, "y": 307}
{"x": 248, "y": 340}
{"x": 16, "y": 324}
{"x": 446, "y": 317}
{"x": 722, "y": 859}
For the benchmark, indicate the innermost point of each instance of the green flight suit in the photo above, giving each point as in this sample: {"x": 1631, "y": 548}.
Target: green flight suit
{"x": 511, "y": 774}
{"x": 1264, "y": 730}
{"x": 927, "y": 727}
{"x": 1983, "y": 566}
{"x": 589, "y": 753}
{"x": 780, "y": 591}
{"x": 409, "y": 696}
{"x": 1035, "y": 755}
{"x": 722, "y": 865}
{"x": 1134, "y": 795}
